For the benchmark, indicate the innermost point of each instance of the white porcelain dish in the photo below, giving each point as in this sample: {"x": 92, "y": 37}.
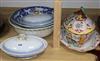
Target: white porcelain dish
{"x": 91, "y": 44}
{"x": 24, "y": 46}
{"x": 32, "y": 17}
{"x": 40, "y": 32}
{"x": 38, "y": 20}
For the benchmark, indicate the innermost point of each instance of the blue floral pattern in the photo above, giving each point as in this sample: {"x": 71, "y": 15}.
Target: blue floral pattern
{"x": 19, "y": 14}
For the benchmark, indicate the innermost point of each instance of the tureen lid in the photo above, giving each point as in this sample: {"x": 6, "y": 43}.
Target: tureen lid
{"x": 79, "y": 23}
{"x": 23, "y": 44}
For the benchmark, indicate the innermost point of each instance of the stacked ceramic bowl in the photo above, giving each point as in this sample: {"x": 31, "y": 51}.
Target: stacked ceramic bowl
{"x": 31, "y": 23}
{"x": 78, "y": 32}
{"x": 36, "y": 20}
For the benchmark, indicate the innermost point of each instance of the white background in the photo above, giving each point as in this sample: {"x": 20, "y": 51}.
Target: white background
{"x": 65, "y": 3}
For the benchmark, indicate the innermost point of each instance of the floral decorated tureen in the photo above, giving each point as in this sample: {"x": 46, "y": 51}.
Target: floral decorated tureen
{"x": 79, "y": 32}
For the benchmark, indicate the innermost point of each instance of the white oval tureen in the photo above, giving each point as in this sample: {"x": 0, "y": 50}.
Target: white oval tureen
{"x": 24, "y": 46}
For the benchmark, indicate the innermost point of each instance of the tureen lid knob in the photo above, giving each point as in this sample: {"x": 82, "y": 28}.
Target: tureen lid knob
{"x": 22, "y": 37}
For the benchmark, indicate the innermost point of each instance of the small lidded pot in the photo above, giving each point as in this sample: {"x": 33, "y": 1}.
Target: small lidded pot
{"x": 79, "y": 27}
{"x": 24, "y": 46}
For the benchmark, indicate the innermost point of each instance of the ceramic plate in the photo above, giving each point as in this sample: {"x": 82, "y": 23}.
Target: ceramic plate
{"x": 17, "y": 16}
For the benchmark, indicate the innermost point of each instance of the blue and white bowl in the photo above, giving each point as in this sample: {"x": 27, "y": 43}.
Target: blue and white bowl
{"x": 24, "y": 46}
{"x": 40, "y": 32}
{"x": 36, "y": 20}
{"x": 33, "y": 17}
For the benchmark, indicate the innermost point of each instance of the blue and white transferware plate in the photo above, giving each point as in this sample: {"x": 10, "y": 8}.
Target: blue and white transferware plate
{"x": 36, "y": 16}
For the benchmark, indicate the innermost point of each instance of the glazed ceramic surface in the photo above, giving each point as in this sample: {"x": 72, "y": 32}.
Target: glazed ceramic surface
{"x": 41, "y": 32}
{"x": 78, "y": 32}
{"x": 33, "y": 17}
{"x": 79, "y": 23}
{"x": 36, "y": 20}
{"x": 24, "y": 46}
{"x": 80, "y": 39}
{"x": 92, "y": 42}
{"x": 79, "y": 27}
